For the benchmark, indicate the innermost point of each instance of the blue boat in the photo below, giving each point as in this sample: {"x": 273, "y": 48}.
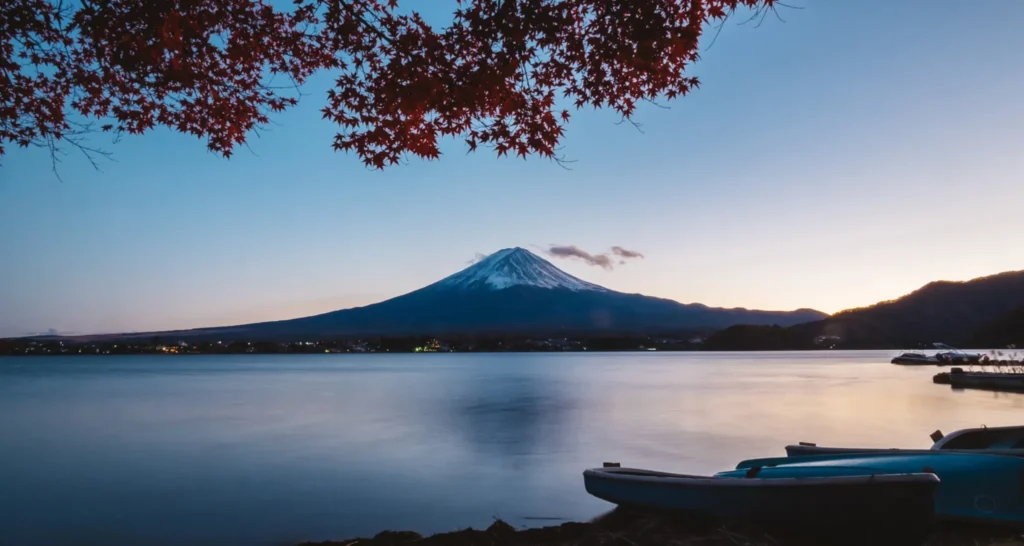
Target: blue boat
{"x": 893, "y": 508}
{"x": 988, "y": 440}
{"x": 981, "y": 488}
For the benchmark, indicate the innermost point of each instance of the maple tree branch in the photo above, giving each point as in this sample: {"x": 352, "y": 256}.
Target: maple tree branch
{"x": 718, "y": 29}
{"x": 637, "y": 126}
{"x": 654, "y": 103}
{"x": 561, "y": 161}
{"x": 54, "y": 160}
{"x": 759, "y": 15}
{"x": 251, "y": 151}
{"x": 371, "y": 27}
{"x": 209, "y": 68}
{"x": 776, "y": 11}
{"x": 51, "y": 143}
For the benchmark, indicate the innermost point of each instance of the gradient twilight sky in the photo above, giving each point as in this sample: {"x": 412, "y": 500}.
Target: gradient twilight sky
{"x": 848, "y": 155}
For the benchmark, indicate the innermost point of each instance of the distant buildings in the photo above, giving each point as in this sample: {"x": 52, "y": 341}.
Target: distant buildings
{"x": 433, "y": 346}
{"x": 512, "y": 343}
{"x": 827, "y": 342}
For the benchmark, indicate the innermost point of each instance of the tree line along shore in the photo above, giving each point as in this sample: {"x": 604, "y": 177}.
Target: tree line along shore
{"x": 737, "y": 338}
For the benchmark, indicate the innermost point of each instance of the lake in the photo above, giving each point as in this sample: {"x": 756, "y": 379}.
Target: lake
{"x": 272, "y": 450}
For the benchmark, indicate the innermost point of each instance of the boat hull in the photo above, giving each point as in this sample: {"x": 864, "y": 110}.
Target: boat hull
{"x": 982, "y": 488}
{"x": 869, "y": 509}
{"x": 914, "y": 361}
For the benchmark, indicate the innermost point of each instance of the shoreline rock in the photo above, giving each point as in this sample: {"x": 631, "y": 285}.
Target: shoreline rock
{"x": 630, "y": 528}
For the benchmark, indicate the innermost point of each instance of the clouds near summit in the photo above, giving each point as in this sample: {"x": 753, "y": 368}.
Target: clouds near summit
{"x": 626, "y": 253}
{"x": 604, "y": 260}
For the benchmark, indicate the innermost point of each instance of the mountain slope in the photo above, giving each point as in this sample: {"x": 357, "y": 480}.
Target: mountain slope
{"x": 513, "y": 267}
{"x": 1006, "y": 330}
{"x": 943, "y": 311}
{"x": 511, "y": 291}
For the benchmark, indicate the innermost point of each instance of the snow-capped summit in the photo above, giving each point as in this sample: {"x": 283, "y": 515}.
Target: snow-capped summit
{"x": 515, "y": 267}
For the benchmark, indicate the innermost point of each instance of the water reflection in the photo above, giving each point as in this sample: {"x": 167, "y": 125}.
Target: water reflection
{"x": 509, "y": 416}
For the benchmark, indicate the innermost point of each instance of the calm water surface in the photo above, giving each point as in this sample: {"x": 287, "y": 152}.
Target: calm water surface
{"x": 267, "y": 450}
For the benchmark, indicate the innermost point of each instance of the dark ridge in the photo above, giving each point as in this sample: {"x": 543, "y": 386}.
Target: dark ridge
{"x": 1004, "y": 331}
{"x": 945, "y": 311}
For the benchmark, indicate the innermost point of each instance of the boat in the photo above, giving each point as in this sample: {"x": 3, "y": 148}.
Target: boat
{"x": 952, "y": 355}
{"x": 958, "y": 357}
{"x": 996, "y": 440}
{"x": 946, "y": 355}
{"x": 916, "y": 359}
{"x": 834, "y": 503}
{"x": 978, "y": 488}
{"x": 992, "y": 381}
{"x": 996, "y": 381}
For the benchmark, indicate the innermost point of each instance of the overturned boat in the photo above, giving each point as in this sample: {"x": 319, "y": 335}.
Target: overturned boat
{"x": 994, "y": 440}
{"x": 827, "y": 502}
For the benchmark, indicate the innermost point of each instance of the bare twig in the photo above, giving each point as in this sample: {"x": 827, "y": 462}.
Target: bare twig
{"x": 562, "y": 162}
{"x": 637, "y": 126}
{"x": 662, "y": 106}
{"x": 718, "y": 29}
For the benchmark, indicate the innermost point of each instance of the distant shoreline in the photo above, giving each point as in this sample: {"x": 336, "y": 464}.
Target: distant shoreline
{"x": 592, "y": 344}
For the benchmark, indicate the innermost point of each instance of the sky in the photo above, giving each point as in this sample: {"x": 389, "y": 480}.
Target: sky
{"x": 848, "y": 155}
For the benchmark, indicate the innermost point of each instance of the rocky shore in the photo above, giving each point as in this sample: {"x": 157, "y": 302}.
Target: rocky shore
{"x": 623, "y": 528}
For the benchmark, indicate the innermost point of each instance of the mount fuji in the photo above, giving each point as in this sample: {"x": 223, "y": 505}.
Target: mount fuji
{"x": 510, "y": 291}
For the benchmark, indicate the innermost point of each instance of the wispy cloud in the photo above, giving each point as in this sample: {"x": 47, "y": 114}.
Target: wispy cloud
{"x": 476, "y": 258}
{"x": 605, "y": 260}
{"x": 573, "y": 251}
{"x": 626, "y": 253}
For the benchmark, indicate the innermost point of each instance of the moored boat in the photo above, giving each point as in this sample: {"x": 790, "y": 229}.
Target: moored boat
{"x": 916, "y": 359}
{"x": 981, "y": 488}
{"x": 956, "y": 357}
{"x": 952, "y": 355}
{"x": 994, "y": 440}
{"x": 834, "y": 504}
{"x": 947, "y": 355}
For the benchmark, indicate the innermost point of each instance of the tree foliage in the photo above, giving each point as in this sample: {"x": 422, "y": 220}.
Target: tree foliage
{"x": 217, "y": 69}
